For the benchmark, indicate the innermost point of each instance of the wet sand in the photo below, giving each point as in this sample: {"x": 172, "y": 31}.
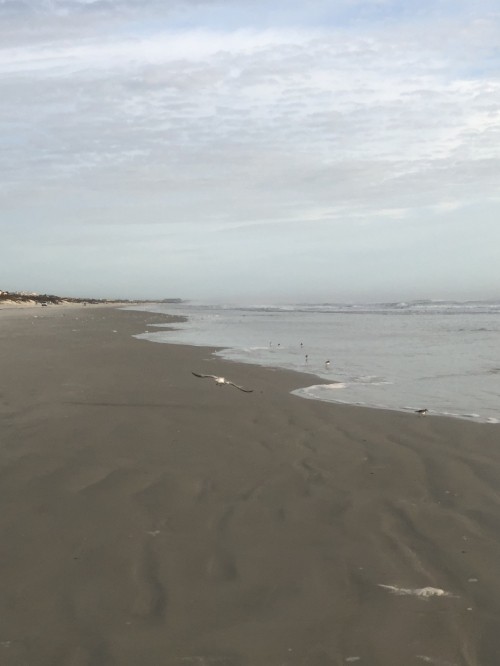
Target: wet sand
{"x": 150, "y": 517}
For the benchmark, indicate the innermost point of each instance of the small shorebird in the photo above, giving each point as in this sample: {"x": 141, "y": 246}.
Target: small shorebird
{"x": 220, "y": 381}
{"x": 327, "y": 364}
{"x": 422, "y": 412}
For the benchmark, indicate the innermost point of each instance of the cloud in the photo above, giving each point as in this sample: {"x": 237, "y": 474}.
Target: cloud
{"x": 225, "y": 117}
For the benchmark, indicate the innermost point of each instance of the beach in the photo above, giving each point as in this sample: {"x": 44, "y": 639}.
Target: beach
{"x": 150, "y": 517}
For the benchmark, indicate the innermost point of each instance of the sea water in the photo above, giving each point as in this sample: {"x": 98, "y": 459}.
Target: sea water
{"x": 443, "y": 356}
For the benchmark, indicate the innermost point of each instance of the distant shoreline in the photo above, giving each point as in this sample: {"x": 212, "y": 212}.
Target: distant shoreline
{"x": 20, "y": 298}
{"x": 29, "y": 299}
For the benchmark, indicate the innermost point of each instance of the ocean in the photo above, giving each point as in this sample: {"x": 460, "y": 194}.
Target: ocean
{"x": 439, "y": 355}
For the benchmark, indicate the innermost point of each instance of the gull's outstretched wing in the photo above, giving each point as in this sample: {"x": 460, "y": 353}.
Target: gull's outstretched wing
{"x": 240, "y": 387}
{"x": 196, "y": 374}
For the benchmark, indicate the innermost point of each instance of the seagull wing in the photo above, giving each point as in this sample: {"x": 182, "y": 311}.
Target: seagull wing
{"x": 240, "y": 387}
{"x": 196, "y": 374}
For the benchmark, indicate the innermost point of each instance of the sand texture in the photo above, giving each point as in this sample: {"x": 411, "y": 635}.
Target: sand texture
{"x": 151, "y": 518}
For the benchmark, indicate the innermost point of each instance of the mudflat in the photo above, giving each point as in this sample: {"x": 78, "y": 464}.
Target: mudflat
{"x": 151, "y": 517}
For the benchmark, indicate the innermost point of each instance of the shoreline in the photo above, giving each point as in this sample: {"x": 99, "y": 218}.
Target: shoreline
{"x": 7, "y": 306}
{"x": 152, "y": 517}
{"x": 316, "y": 380}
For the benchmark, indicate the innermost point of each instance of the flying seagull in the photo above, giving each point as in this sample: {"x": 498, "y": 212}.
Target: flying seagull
{"x": 422, "y": 412}
{"x": 221, "y": 380}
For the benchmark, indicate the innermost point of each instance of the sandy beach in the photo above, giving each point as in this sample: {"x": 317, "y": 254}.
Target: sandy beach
{"x": 153, "y": 518}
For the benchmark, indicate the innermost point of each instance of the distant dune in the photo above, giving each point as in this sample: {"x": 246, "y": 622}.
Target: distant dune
{"x": 26, "y": 298}
{"x": 32, "y": 298}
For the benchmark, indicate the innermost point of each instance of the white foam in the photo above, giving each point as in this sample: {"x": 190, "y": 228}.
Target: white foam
{"x": 422, "y": 592}
{"x": 371, "y": 380}
{"x": 317, "y": 389}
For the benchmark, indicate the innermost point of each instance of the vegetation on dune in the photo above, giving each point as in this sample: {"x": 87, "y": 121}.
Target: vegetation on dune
{"x": 23, "y": 297}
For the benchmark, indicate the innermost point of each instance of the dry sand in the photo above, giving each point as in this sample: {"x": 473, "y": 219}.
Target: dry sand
{"x": 151, "y": 518}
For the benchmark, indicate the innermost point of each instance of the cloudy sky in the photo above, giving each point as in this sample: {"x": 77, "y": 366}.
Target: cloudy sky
{"x": 251, "y": 150}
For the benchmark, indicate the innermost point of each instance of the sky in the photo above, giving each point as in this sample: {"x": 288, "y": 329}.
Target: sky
{"x": 250, "y": 150}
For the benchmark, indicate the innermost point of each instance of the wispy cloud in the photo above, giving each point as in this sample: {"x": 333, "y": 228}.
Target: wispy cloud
{"x": 231, "y": 115}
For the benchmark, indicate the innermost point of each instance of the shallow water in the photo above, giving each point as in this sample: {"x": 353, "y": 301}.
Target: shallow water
{"x": 441, "y": 356}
